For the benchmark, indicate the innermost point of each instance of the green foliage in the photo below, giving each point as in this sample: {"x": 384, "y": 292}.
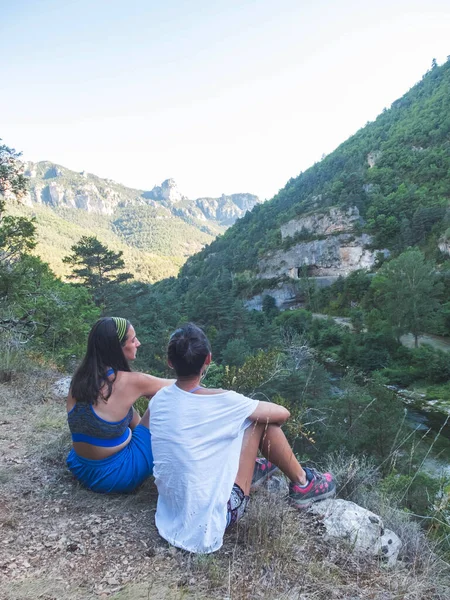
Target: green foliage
{"x": 235, "y": 353}
{"x": 43, "y": 313}
{"x": 299, "y": 320}
{"x": 150, "y": 229}
{"x": 365, "y": 418}
{"x": 407, "y": 288}
{"x": 254, "y": 373}
{"x": 95, "y": 266}
{"x": 417, "y": 492}
{"x": 269, "y": 307}
{"x": 16, "y": 238}
{"x": 17, "y": 234}
{"x": 155, "y": 238}
{"x": 12, "y": 179}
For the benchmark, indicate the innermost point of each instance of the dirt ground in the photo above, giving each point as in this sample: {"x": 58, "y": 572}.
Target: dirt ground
{"x": 58, "y": 540}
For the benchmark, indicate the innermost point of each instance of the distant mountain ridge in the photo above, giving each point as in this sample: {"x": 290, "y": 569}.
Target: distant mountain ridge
{"x": 156, "y": 230}
{"x": 56, "y": 186}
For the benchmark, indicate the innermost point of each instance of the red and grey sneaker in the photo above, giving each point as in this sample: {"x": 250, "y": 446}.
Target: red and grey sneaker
{"x": 264, "y": 469}
{"x": 319, "y": 487}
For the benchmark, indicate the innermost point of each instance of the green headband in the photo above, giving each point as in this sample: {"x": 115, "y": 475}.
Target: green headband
{"x": 121, "y": 326}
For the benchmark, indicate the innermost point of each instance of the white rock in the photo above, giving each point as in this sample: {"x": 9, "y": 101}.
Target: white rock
{"x": 61, "y": 387}
{"x": 363, "y": 529}
{"x": 390, "y": 546}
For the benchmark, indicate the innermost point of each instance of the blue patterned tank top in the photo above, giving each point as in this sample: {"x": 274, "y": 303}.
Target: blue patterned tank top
{"x": 86, "y": 426}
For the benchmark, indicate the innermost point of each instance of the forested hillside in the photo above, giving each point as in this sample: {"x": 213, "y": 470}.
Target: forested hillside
{"x": 394, "y": 170}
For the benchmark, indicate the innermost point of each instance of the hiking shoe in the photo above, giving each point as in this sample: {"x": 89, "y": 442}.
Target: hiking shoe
{"x": 263, "y": 470}
{"x": 320, "y": 486}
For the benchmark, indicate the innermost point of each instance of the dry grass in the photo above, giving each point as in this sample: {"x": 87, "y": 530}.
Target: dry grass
{"x": 58, "y": 540}
{"x": 279, "y": 553}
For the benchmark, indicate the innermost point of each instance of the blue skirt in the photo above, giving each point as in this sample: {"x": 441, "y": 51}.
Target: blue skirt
{"x": 120, "y": 473}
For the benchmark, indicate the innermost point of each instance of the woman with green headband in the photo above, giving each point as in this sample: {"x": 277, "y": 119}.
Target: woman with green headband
{"x": 111, "y": 443}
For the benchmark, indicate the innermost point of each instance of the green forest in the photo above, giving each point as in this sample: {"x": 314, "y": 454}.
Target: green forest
{"x": 339, "y": 382}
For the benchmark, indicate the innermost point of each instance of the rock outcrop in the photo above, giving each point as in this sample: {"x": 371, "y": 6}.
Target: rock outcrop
{"x": 373, "y": 157}
{"x": 363, "y": 529}
{"x": 167, "y": 192}
{"x": 331, "y": 250}
{"x": 328, "y": 223}
{"x": 333, "y": 256}
{"x": 444, "y": 245}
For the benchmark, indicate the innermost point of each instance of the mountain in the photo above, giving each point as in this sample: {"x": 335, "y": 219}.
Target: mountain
{"x": 157, "y": 230}
{"x": 56, "y": 186}
{"x": 386, "y": 188}
{"x": 224, "y": 210}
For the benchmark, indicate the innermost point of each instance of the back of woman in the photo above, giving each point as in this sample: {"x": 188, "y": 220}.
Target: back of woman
{"x": 111, "y": 444}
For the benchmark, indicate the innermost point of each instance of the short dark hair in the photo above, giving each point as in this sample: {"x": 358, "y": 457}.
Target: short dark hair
{"x": 188, "y": 349}
{"x": 104, "y": 351}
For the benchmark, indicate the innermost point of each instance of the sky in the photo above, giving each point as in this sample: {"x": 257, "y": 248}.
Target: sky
{"x": 222, "y": 96}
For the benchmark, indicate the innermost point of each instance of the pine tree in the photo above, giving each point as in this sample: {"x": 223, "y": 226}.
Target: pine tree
{"x": 407, "y": 288}
{"x": 95, "y": 266}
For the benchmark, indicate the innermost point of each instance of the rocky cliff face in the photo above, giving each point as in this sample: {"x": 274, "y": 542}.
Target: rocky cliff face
{"x": 166, "y": 192}
{"x": 57, "y": 186}
{"x": 333, "y": 221}
{"x": 337, "y": 252}
{"x": 224, "y": 210}
{"x": 328, "y": 248}
{"x": 227, "y": 209}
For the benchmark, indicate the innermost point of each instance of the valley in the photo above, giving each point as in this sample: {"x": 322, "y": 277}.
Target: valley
{"x": 157, "y": 230}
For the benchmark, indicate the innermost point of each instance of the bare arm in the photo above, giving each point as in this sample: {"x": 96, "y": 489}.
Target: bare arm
{"x": 146, "y": 385}
{"x": 269, "y": 412}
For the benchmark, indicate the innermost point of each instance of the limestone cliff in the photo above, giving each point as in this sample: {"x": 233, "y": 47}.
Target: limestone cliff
{"x": 330, "y": 222}
{"x": 56, "y": 186}
{"x": 331, "y": 250}
{"x": 321, "y": 246}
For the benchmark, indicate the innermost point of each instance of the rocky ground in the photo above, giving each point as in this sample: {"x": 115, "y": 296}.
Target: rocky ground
{"x": 58, "y": 540}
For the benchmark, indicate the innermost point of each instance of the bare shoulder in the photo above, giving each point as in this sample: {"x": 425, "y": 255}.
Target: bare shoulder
{"x": 142, "y": 383}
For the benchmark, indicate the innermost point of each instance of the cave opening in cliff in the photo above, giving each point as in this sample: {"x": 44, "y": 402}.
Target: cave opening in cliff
{"x": 307, "y": 271}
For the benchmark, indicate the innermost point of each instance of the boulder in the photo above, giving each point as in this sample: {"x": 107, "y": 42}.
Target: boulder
{"x": 61, "y": 387}
{"x": 361, "y": 528}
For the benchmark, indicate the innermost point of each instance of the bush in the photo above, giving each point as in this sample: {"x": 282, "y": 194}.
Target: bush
{"x": 299, "y": 320}
{"x": 402, "y": 376}
{"x": 415, "y": 492}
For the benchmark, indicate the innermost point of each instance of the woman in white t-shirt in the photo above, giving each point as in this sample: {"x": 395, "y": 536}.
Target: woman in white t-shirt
{"x": 205, "y": 443}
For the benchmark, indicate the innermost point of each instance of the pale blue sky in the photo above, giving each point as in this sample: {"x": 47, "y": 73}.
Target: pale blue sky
{"x": 223, "y": 96}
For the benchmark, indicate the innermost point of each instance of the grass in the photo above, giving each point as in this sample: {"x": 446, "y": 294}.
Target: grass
{"x": 51, "y": 418}
{"x": 441, "y": 393}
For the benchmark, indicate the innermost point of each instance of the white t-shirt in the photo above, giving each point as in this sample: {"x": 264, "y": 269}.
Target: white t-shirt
{"x": 196, "y": 444}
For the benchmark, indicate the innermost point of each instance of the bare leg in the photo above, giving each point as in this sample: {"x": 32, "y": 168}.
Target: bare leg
{"x": 275, "y": 447}
{"x": 250, "y": 446}
{"x": 273, "y": 444}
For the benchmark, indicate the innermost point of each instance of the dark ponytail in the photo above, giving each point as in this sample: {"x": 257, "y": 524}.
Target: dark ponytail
{"x": 104, "y": 351}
